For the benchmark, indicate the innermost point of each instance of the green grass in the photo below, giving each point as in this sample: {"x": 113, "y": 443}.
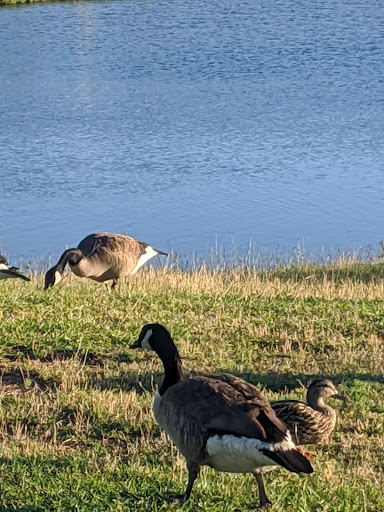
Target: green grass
{"x": 76, "y": 428}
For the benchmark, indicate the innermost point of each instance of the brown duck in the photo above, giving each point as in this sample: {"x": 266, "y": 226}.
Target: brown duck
{"x": 219, "y": 421}
{"x": 313, "y": 422}
{"x": 103, "y": 257}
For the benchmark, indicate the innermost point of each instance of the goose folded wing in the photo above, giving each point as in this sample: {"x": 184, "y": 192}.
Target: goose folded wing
{"x": 244, "y": 411}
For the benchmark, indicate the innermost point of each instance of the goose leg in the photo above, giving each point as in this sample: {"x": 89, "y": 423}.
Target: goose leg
{"x": 193, "y": 471}
{"x": 113, "y": 286}
{"x": 263, "y": 498}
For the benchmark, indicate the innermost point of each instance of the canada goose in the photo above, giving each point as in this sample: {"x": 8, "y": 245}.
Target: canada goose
{"x": 7, "y": 272}
{"x": 218, "y": 420}
{"x": 102, "y": 257}
{"x": 313, "y": 422}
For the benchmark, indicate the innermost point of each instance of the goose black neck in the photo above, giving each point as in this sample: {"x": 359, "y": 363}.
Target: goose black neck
{"x": 71, "y": 256}
{"x": 173, "y": 372}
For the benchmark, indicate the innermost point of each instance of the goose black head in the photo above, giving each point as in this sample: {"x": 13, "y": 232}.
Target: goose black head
{"x": 52, "y": 277}
{"x": 156, "y": 337}
{"x": 151, "y": 337}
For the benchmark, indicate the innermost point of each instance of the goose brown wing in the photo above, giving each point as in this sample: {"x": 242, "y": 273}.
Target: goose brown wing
{"x": 222, "y": 404}
{"x": 245, "y": 397}
{"x": 107, "y": 242}
{"x": 120, "y": 252}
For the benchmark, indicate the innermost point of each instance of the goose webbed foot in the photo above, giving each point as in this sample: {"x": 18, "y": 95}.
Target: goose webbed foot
{"x": 174, "y": 497}
{"x": 264, "y": 501}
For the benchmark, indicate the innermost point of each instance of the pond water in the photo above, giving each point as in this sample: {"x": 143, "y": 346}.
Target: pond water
{"x": 192, "y": 124}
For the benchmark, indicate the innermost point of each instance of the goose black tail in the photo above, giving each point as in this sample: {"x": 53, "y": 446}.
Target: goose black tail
{"x": 24, "y": 278}
{"x": 291, "y": 460}
{"x": 161, "y": 252}
{"x": 12, "y": 273}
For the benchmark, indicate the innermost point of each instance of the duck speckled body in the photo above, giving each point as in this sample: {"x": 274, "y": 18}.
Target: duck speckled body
{"x": 313, "y": 422}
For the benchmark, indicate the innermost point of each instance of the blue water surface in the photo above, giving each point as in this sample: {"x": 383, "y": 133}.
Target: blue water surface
{"x": 192, "y": 124}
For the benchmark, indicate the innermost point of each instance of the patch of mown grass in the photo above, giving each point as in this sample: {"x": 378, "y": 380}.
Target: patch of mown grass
{"x": 76, "y": 428}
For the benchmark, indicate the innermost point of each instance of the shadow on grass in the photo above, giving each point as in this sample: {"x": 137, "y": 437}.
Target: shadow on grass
{"x": 26, "y": 381}
{"x": 287, "y": 381}
{"x": 141, "y": 383}
{"x": 148, "y": 382}
{"x": 88, "y": 358}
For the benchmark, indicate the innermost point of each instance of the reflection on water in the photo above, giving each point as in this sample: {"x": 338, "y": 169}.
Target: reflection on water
{"x": 192, "y": 123}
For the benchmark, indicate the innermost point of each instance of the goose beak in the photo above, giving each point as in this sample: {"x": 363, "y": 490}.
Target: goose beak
{"x": 136, "y": 344}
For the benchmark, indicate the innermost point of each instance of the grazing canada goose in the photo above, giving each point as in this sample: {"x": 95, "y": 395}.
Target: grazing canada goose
{"x": 218, "y": 420}
{"x": 7, "y": 272}
{"x": 102, "y": 257}
{"x": 313, "y": 422}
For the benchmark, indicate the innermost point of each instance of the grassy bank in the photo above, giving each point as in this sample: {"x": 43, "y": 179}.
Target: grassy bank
{"x": 76, "y": 429}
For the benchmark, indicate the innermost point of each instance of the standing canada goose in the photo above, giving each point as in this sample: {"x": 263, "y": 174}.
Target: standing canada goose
{"x": 313, "y": 422}
{"x": 102, "y": 257}
{"x": 7, "y": 272}
{"x": 218, "y": 420}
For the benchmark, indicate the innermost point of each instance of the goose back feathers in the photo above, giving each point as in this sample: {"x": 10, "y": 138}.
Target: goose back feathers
{"x": 103, "y": 257}
{"x": 218, "y": 420}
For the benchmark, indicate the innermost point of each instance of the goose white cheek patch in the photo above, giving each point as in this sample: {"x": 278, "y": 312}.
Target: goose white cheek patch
{"x": 145, "y": 341}
{"x": 57, "y": 277}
